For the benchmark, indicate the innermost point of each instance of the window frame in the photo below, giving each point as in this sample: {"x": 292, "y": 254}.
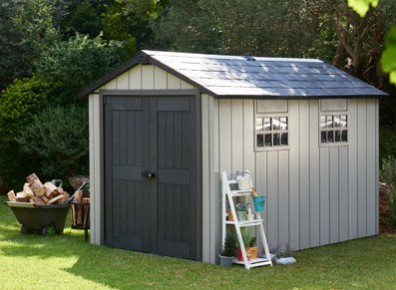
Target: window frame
{"x": 256, "y": 132}
{"x": 334, "y": 129}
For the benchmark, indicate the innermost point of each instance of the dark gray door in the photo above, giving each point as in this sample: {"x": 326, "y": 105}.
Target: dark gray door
{"x": 150, "y": 175}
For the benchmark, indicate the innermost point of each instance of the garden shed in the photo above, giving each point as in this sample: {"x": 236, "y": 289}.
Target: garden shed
{"x": 165, "y": 125}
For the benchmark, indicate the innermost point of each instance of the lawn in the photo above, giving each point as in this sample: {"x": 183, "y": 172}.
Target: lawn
{"x": 67, "y": 262}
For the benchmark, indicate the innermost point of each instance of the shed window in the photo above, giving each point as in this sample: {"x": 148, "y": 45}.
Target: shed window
{"x": 333, "y": 129}
{"x": 272, "y": 131}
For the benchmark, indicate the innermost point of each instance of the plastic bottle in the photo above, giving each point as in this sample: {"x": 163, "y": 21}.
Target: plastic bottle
{"x": 244, "y": 180}
{"x": 249, "y": 213}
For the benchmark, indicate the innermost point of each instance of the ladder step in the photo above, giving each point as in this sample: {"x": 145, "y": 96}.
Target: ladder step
{"x": 254, "y": 262}
{"x": 246, "y": 223}
{"x": 245, "y": 192}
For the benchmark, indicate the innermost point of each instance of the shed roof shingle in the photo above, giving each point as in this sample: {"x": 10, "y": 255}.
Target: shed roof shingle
{"x": 235, "y": 76}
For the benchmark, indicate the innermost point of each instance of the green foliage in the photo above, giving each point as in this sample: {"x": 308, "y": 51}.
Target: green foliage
{"x": 85, "y": 20}
{"x": 248, "y": 238}
{"x": 79, "y": 62}
{"x": 388, "y": 60}
{"x": 387, "y": 143}
{"x": 362, "y": 6}
{"x": 230, "y": 245}
{"x": 26, "y": 30}
{"x": 19, "y": 103}
{"x": 129, "y": 21}
{"x": 58, "y": 136}
{"x": 388, "y": 175}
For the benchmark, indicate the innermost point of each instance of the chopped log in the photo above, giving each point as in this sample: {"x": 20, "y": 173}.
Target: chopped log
{"x": 27, "y": 191}
{"x": 78, "y": 196}
{"x": 73, "y": 208}
{"x": 86, "y": 200}
{"x": 11, "y": 196}
{"x": 79, "y": 219}
{"x": 55, "y": 199}
{"x": 60, "y": 190}
{"x": 35, "y": 184}
{"x": 22, "y": 198}
{"x": 86, "y": 216}
{"x": 64, "y": 198}
{"x": 50, "y": 190}
{"x": 20, "y": 194}
{"x": 37, "y": 200}
{"x": 45, "y": 199}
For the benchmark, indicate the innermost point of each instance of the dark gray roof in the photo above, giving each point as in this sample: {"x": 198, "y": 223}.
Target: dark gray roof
{"x": 238, "y": 76}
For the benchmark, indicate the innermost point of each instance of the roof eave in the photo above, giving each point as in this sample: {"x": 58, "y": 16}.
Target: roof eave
{"x": 280, "y": 97}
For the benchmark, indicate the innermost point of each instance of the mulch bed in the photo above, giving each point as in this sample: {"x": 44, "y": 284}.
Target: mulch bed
{"x": 384, "y": 209}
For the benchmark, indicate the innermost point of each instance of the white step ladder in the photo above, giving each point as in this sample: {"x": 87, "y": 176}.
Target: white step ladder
{"x": 229, "y": 195}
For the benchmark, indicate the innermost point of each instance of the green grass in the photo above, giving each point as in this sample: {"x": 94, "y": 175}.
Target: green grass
{"x": 67, "y": 262}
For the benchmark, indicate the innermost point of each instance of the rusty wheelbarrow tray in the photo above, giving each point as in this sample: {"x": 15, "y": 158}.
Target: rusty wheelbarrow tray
{"x": 40, "y": 217}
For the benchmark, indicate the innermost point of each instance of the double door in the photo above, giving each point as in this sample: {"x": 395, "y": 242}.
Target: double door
{"x": 150, "y": 198}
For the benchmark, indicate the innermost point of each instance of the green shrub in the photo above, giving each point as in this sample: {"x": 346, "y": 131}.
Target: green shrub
{"x": 19, "y": 103}
{"x": 388, "y": 175}
{"x": 58, "y": 137}
{"x": 230, "y": 245}
{"x": 387, "y": 142}
{"x": 78, "y": 62}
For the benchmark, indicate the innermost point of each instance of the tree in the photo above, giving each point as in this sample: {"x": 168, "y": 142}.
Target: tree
{"x": 78, "y": 62}
{"x": 388, "y": 60}
{"x": 233, "y": 27}
{"x": 26, "y": 30}
{"x": 129, "y": 21}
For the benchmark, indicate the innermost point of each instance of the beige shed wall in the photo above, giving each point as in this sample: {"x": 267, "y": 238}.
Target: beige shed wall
{"x": 316, "y": 195}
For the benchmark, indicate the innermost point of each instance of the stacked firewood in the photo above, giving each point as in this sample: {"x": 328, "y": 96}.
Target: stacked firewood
{"x": 35, "y": 192}
{"x": 80, "y": 210}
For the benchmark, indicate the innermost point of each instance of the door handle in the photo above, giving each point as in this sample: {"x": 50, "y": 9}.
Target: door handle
{"x": 148, "y": 174}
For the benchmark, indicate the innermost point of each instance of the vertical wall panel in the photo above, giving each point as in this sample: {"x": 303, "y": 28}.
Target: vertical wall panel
{"x": 324, "y": 208}
{"x": 215, "y": 233}
{"x": 147, "y": 77}
{"x": 362, "y": 167}
{"x": 261, "y": 180}
{"x": 225, "y": 137}
{"x": 304, "y": 173}
{"x": 123, "y": 81}
{"x": 135, "y": 78}
{"x": 353, "y": 164}
{"x": 237, "y": 135}
{"x": 160, "y": 79}
{"x": 248, "y": 139}
{"x": 376, "y": 165}
{"x": 334, "y": 194}
{"x": 294, "y": 173}
{"x": 343, "y": 193}
{"x": 272, "y": 198}
{"x": 112, "y": 85}
{"x": 95, "y": 132}
{"x": 283, "y": 197}
{"x": 371, "y": 168}
{"x": 185, "y": 86}
{"x": 173, "y": 82}
{"x": 314, "y": 197}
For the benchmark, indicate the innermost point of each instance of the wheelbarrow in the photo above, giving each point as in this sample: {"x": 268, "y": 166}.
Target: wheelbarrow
{"x": 33, "y": 217}
{"x": 40, "y": 217}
